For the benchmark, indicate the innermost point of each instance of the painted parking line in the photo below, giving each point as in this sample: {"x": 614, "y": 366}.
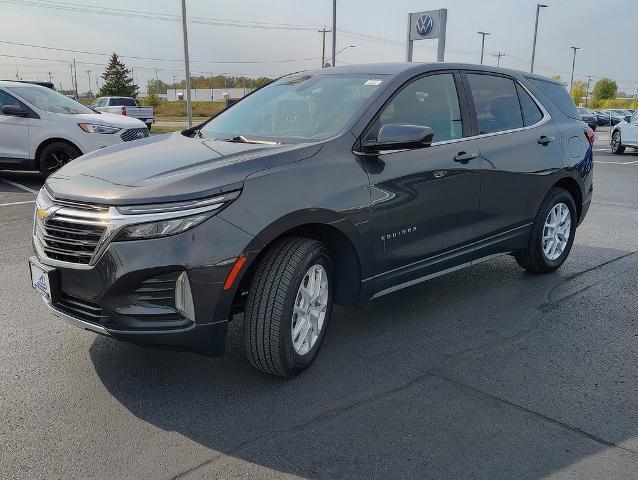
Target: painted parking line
{"x": 16, "y": 203}
{"x": 617, "y": 163}
{"x": 20, "y": 186}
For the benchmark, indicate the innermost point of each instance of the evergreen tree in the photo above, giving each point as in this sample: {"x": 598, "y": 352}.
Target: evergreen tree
{"x": 117, "y": 82}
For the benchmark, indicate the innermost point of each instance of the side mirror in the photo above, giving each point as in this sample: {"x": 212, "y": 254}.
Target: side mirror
{"x": 394, "y": 136}
{"x": 14, "y": 111}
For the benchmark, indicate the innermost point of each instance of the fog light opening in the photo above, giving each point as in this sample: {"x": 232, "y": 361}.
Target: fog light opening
{"x": 183, "y": 297}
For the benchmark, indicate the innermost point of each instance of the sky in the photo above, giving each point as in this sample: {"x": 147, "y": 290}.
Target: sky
{"x": 274, "y": 37}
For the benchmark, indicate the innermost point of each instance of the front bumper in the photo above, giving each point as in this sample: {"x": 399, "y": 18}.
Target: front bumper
{"x": 129, "y": 293}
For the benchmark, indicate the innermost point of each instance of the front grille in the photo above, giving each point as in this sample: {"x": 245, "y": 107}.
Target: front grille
{"x": 65, "y": 240}
{"x": 82, "y": 309}
{"x": 134, "y": 134}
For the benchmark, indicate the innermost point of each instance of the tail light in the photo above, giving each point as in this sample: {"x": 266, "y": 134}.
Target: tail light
{"x": 123, "y": 110}
{"x": 590, "y": 135}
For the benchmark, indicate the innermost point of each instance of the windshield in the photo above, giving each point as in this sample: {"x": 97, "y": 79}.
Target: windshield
{"x": 296, "y": 108}
{"x": 49, "y": 100}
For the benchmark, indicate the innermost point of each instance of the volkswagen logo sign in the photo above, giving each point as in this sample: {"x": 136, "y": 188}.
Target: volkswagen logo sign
{"x": 424, "y": 25}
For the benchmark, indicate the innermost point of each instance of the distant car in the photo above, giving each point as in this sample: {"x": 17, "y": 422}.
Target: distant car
{"x": 602, "y": 119}
{"x": 588, "y": 117}
{"x": 126, "y": 106}
{"x": 616, "y": 117}
{"x": 625, "y": 134}
{"x": 41, "y": 129}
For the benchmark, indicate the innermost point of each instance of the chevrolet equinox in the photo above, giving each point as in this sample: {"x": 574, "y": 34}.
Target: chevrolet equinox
{"x": 325, "y": 187}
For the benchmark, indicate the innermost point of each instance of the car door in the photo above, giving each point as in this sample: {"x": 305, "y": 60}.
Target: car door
{"x": 631, "y": 129}
{"x": 425, "y": 200}
{"x": 14, "y": 132}
{"x": 520, "y": 147}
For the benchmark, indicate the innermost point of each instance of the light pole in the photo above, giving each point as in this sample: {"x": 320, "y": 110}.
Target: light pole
{"x": 344, "y": 48}
{"x": 571, "y": 83}
{"x": 189, "y": 108}
{"x": 538, "y": 9}
{"x": 483, "y": 35}
{"x": 498, "y": 58}
{"x": 334, "y": 31}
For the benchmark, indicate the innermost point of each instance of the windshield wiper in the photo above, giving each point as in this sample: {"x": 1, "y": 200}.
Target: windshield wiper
{"x": 242, "y": 139}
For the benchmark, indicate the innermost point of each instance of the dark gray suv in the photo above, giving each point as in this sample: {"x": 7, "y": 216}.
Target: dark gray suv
{"x": 329, "y": 186}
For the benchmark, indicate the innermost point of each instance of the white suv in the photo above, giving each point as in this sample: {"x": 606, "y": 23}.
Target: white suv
{"x": 41, "y": 129}
{"x": 625, "y": 134}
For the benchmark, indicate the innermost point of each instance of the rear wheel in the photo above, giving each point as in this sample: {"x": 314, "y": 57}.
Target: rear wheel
{"x": 288, "y": 307}
{"x": 56, "y": 155}
{"x": 552, "y": 234}
{"x": 616, "y": 144}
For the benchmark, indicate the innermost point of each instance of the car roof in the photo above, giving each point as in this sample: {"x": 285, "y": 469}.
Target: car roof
{"x": 399, "y": 68}
{"x": 12, "y": 83}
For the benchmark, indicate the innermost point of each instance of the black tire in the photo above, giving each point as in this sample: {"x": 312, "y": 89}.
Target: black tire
{"x": 616, "y": 143}
{"x": 54, "y": 156}
{"x": 149, "y": 126}
{"x": 532, "y": 258}
{"x": 268, "y": 316}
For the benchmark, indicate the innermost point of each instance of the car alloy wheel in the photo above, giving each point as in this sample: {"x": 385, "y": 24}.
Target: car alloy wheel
{"x": 309, "y": 313}
{"x": 556, "y": 231}
{"x": 58, "y": 159}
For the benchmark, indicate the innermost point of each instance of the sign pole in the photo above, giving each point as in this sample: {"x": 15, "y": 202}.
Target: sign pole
{"x": 440, "y": 53}
{"x": 410, "y": 44}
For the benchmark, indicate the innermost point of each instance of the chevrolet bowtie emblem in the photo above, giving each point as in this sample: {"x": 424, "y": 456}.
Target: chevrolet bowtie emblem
{"x": 42, "y": 213}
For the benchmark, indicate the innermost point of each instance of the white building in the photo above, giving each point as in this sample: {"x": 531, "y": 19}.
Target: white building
{"x": 207, "y": 94}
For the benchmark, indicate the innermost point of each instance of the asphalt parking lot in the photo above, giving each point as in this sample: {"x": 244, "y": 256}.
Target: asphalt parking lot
{"x": 488, "y": 372}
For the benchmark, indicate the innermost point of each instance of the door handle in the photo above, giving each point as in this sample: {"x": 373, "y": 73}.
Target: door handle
{"x": 545, "y": 140}
{"x": 463, "y": 157}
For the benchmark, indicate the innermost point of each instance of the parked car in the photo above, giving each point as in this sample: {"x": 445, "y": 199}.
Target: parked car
{"x": 616, "y": 117}
{"x": 325, "y": 187}
{"x": 41, "y": 129}
{"x": 126, "y": 106}
{"x": 625, "y": 134}
{"x": 588, "y": 117}
{"x": 602, "y": 118}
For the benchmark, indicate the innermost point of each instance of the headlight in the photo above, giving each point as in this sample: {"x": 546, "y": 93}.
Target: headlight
{"x": 104, "y": 129}
{"x": 162, "y": 228}
{"x": 168, "y": 218}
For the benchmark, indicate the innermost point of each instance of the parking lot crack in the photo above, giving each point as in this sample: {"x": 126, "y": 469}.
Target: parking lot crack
{"x": 538, "y": 415}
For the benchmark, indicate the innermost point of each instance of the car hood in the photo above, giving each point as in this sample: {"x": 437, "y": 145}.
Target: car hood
{"x": 167, "y": 168}
{"x": 109, "y": 119}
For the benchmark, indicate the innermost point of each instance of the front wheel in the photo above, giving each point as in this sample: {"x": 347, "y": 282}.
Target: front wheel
{"x": 55, "y": 156}
{"x": 616, "y": 144}
{"x": 552, "y": 234}
{"x": 289, "y": 306}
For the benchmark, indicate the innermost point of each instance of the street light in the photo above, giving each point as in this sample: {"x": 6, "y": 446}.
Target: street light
{"x": 344, "y": 48}
{"x": 483, "y": 34}
{"x": 538, "y": 9}
{"x": 571, "y": 83}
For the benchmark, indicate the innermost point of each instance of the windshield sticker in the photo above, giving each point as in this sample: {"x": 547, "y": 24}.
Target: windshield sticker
{"x": 374, "y": 82}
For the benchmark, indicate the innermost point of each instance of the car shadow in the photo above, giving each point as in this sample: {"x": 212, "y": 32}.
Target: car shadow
{"x": 384, "y": 397}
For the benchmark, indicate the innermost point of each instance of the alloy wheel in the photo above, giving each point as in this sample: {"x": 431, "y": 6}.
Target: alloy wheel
{"x": 58, "y": 159}
{"x": 556, "y": 231}
{"x": 309, "y": 311}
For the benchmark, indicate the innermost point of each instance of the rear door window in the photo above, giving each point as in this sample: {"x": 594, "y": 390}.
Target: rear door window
{"x": 495, "y": 102}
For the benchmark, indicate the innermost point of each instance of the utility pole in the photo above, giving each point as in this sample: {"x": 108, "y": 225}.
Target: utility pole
{"x": 483, "y": 35}
{"x": 75, "y": 78}
{"x": 50, "y": 77}
{"x": 323, "y": 31}
{"x": 72, "y": 82}
{"x": 498, "y": 58}
{"x": 538, "y": 9}
{"x": 587, "y": 91}
{"x": 88, "y": 72}
{"x": 189, "y": 107}
{"x": 334, "y": 32}
{"x": 571, "y": 83}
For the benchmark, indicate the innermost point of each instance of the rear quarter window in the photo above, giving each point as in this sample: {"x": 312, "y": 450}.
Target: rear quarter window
{"x": 558, "y": 95}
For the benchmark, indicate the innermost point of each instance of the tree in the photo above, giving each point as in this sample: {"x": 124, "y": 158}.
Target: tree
{"x": 605, "y": 89}
{"x": 152, "y": 98}
{"x": 557, "y": 78}
{"x": 117, "y": 82}
{"x": 578, "y": 91}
